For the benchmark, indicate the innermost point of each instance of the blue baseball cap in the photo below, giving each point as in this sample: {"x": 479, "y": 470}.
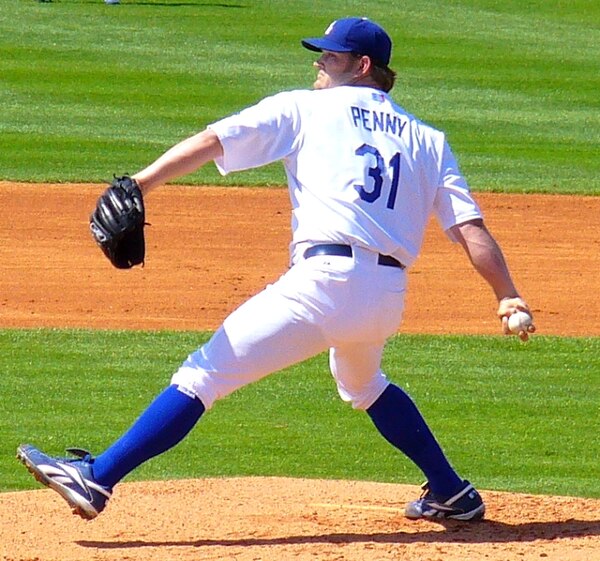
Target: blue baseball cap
{"x": 356, "y": 35}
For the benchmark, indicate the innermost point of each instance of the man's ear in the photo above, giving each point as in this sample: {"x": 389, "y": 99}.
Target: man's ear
{"x": 366, "y": 64}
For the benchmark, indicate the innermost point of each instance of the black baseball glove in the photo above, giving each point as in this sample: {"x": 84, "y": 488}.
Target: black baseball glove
{"x": 117, "y": 223}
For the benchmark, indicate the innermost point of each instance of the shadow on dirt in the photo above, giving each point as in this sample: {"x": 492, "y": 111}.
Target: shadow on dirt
{"x": 487, "y": 531}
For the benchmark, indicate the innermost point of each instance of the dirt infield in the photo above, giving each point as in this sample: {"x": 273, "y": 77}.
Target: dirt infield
{"x": 208, "y": 250}
{"x": 211, "y": 248}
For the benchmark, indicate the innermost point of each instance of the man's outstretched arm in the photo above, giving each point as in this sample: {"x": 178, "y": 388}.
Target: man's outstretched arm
{"x": 487, "y": 258}
{"x": 183, "y": 158}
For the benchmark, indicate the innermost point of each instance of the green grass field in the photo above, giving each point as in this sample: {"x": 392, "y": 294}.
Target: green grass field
{"x": 511, "y": 416}
{"x": 88, "y": 89}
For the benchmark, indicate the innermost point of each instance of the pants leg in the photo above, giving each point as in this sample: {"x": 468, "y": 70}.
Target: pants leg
{"x": 267, "y": 333}
{"x": 356, "y": 370}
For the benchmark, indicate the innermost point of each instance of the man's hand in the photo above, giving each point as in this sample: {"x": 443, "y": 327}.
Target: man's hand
{"x": 509, "y": 306}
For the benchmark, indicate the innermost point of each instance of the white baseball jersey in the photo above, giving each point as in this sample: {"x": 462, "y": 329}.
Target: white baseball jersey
{"x": 361, "y": 171}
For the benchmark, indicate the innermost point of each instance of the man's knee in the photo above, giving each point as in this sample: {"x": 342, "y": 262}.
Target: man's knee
{"x": 362, "y": 396}
{"x": 198, "y": 383}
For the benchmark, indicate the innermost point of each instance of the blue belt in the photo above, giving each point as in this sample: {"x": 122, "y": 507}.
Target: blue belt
{"x": 342, "y": 250}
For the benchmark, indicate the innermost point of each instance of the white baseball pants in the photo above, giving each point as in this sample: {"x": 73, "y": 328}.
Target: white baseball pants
{"x": 349, "y": 305}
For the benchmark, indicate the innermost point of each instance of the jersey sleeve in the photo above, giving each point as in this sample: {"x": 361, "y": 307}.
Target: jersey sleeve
{"x": 258, "y": 135}
{"x": 453, "y": 202}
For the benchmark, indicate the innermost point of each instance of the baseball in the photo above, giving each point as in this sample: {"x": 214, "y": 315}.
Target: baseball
{"x": 519, "y": 321}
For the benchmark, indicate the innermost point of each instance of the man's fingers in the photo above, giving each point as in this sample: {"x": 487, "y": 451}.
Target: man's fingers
{"x": 523, "y": 334}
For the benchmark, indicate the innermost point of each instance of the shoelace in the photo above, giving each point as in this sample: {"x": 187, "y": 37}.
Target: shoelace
{"x": 425, "y": 490}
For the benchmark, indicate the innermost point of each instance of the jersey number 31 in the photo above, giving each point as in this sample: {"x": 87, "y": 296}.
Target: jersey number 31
{"x": 377, "y": 173}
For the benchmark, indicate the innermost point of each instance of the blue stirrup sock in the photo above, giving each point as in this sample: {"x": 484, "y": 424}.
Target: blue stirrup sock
{"x": 165, "y": 422}
{"x": 399, "y": 421}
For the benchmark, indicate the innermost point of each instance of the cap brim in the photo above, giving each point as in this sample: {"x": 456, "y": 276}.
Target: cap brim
{"x": 319, "y": 44}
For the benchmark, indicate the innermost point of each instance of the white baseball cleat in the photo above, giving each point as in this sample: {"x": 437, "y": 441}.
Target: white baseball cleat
{"x": 465, "y": 505}
{"x": 71, "y": 478}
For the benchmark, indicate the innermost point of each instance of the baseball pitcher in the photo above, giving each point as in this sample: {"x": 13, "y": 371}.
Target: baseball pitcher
{"x": 364, "y": 177}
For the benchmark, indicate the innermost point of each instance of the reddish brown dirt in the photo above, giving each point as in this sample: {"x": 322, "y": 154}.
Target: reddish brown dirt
{"x": 211, "y": 248}
{"x": 273, "y": 519}
{"x": 208, "y": 250}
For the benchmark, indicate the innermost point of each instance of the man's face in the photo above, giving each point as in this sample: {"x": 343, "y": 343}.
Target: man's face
{"x": 335, "y": 69}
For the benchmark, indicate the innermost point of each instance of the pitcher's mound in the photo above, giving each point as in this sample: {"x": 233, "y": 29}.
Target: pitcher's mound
{"x": 280, "y": 519}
